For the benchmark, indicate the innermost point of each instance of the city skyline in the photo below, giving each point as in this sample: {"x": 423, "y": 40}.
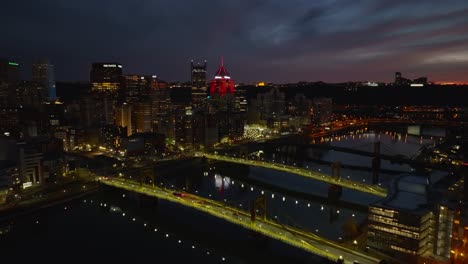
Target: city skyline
{"x": 331, "y": 41}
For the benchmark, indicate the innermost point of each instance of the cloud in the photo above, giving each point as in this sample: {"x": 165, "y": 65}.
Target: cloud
{"x": 275, "y": 40}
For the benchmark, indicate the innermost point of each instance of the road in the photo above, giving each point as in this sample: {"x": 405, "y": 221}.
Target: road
{"x": 375, "y": 190}
{"x": 295, "y": 237}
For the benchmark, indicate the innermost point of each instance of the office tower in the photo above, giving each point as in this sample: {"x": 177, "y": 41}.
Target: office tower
{"x": 124, "y": 117}
{"x": 31, "y": 94}
{"x": 409, "y": 225}
{"x": 43, "y": 73}
{"x": 106, "y": 77}
{"x": 198, "y": 74}
{"x": 160, "y": 110}
{"x": 9, "y": 78}
{"x": 141, "y": 116}
{"x": 9, "y": 71}
{"x": 224, "y": 106}
{"x": 97, "y": 110}
{"x": 222, "y": 83}
{"x": 137, "y": 87}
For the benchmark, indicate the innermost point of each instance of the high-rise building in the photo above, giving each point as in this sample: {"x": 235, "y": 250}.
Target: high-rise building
{"x": 124, "y": 117}
{"x": 198, "y": 74}
{"x": 222, "y": 83}
{"x": 141, "y": 117}
{"x": 9, "y": 71}
{"x": 31, "y": 94}
{"x": 224, "y": 106}
{"x": 9, "y": 78}
{"x": 43, "y": 73}
{"x": 106, "y": 77}
{"x": 409, "y": 224}
{"x": 97, "y": 110}
{"x": 138, "y": 86}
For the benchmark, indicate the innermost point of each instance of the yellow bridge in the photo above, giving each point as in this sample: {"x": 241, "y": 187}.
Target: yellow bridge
{"x": 368, "y": 188}
{"x": 292, "y": 236}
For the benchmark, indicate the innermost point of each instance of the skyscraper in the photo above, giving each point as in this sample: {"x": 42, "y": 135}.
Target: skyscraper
{"x": 222, "y": 83}
{"x": 198, "y": 74}
{"x": 9, "y": 71}
{"x": 43, "y": 73}
{"x": 9, "y": 78}
{"x": 106, "y": 77}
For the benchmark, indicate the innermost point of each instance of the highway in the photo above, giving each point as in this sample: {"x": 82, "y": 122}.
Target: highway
{"x": 292, "y": 236}
{"x": 375, "y": 190}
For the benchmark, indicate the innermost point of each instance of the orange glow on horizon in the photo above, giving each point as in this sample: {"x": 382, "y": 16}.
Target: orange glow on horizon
{"x": 451, "y": 83}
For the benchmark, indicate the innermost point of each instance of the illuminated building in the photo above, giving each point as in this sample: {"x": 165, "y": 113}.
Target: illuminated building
{"x": 141, "y": 116}
{"x": 459, "y": 251}
{"x": 184, "y": 128}
{"x": 9, "y": 78}
{"x": 160, "y": 110}
{"x": 9, "y": 71}
{"x": 112, "y": 136}
{"x": 138, "y": 87}
{"x": 224, "y": 106}
{"x": 9, "y": 126}
{"x": 30, "y": 165}
{"x": 30, "y": 94}
{"x": 222, "y": 83}
{"x": 9, "y": 175}
{"x": 97, "y": 110}
{"x": 124, "y": 117}
{"x": 408, "y": 226}
{"x": 198, "y": 74}
{"x": 106, "y": 77}
{"x": 55, "y": 112}
{"x": 43, "y": 73}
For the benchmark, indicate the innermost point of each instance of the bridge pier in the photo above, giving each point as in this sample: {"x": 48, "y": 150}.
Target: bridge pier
{"x": 260, "y": 205}
{"x": 335, "y": 191}
{"x": 376, "y": 163}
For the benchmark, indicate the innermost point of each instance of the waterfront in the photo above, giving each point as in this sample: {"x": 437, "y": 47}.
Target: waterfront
{"x": 291, "y": 200}
{"x": 111, "y": 226}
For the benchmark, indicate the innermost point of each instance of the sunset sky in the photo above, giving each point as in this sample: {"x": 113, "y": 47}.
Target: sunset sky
{"x": 274, "y": 41}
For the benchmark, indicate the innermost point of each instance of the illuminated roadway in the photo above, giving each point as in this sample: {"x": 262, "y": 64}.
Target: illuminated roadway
{"x": 375, "y": 190}
{"x": 292, "y": 236}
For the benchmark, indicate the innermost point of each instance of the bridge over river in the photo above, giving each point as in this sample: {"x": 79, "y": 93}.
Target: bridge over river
{"x": 368, "y": 188}
{"x": 295, "y": 237}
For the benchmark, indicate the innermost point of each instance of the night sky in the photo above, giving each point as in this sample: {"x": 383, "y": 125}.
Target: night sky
{"x": 276, "y": 41}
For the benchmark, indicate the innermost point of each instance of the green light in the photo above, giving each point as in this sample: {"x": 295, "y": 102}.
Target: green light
{"x": 13, "y": 63}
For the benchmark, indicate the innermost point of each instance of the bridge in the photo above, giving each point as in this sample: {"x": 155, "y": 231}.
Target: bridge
{"x": 289, "y": 235}
{"x": 375, "y": 190}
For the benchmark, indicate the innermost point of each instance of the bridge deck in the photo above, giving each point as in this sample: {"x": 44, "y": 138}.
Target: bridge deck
{"x": 305, "y": 173}
{"x": 295, "y": 237}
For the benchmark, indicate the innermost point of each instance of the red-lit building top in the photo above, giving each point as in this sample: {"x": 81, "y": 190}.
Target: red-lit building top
{"x": 222, "y": 83}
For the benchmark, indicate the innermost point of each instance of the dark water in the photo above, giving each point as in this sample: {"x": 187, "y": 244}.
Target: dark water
{"x": 229, "y": 183}
{"x": 88, "y": 231}
{"x": 95, "y": 228}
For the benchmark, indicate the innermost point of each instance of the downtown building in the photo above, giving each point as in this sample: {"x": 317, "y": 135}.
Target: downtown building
{"x": 409, "y": 225}
{"x": 224, "y": 108}
{"x": 43, "y": 73}
{"x": 9, "y": 79}
{"x": 106, "y": 77}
